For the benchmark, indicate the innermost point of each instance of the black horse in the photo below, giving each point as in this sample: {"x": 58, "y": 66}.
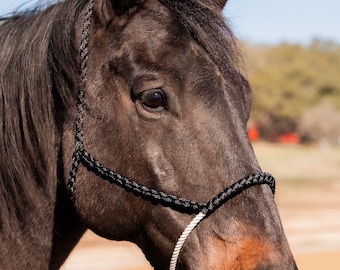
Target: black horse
{"x": 153, "y": 90}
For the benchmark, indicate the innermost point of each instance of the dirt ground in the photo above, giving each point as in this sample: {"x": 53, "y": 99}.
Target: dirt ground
{"x": 311, "y": 218}
{"x": 308, "y": 198}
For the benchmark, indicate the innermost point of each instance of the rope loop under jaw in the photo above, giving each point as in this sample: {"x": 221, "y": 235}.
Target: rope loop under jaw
{"x": 216, "y": 202}
{"x": 181, "y": 240}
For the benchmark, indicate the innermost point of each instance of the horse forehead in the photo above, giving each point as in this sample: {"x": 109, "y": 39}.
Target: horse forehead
{"x": 154, "y": 22}
{"x": 155, "y": 28}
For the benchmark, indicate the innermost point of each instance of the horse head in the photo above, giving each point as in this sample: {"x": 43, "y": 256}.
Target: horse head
{"x": 166, "y": 105}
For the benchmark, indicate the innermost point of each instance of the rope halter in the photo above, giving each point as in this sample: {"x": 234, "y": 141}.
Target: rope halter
{"x": 80, "y": 155}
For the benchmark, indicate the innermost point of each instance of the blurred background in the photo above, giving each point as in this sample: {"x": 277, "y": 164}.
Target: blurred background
{"x": 292, "y": 60}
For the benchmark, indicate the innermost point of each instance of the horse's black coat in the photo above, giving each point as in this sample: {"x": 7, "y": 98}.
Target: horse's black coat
{"x": 195, "y": 56}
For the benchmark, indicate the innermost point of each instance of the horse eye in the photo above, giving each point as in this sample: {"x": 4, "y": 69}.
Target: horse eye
{"x": 153, "y": 100}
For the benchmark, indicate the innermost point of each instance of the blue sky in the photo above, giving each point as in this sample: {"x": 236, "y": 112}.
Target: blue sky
{"x": 266, "y": 21}
{"x": 272, "y": 21}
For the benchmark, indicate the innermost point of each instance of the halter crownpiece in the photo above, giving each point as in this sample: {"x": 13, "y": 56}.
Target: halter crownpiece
{"x": 80, "y": 155}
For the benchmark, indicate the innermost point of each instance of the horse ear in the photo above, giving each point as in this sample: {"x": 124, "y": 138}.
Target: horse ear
{"x": 107, "y": 9}
{"x": 221, "y": 3}
{"x": 122, "y": 6}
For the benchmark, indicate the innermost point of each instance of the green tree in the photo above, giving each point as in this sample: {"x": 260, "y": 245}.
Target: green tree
{"x": 289, "y": 80}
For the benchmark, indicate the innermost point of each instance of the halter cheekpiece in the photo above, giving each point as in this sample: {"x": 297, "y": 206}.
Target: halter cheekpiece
{"x": 80, "y": 155}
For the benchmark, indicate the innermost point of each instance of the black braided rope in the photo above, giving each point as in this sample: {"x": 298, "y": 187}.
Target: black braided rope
{"x": 173, "y": 201}
{"x": 82, "y": 156}
{"x": 78, "y": 148}
{"x": 150, "y": 194}
{"x": 230, "y": 192}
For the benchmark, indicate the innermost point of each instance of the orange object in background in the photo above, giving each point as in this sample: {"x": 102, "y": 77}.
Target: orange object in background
{"x": 253, "y": 134}
{"x": 292, "y": 138}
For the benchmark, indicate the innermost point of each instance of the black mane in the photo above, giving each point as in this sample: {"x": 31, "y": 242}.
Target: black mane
{"x": 35, "y": 48}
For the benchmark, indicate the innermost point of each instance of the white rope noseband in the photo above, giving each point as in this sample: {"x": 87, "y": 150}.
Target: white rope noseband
{"x": 180, "y": 242}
